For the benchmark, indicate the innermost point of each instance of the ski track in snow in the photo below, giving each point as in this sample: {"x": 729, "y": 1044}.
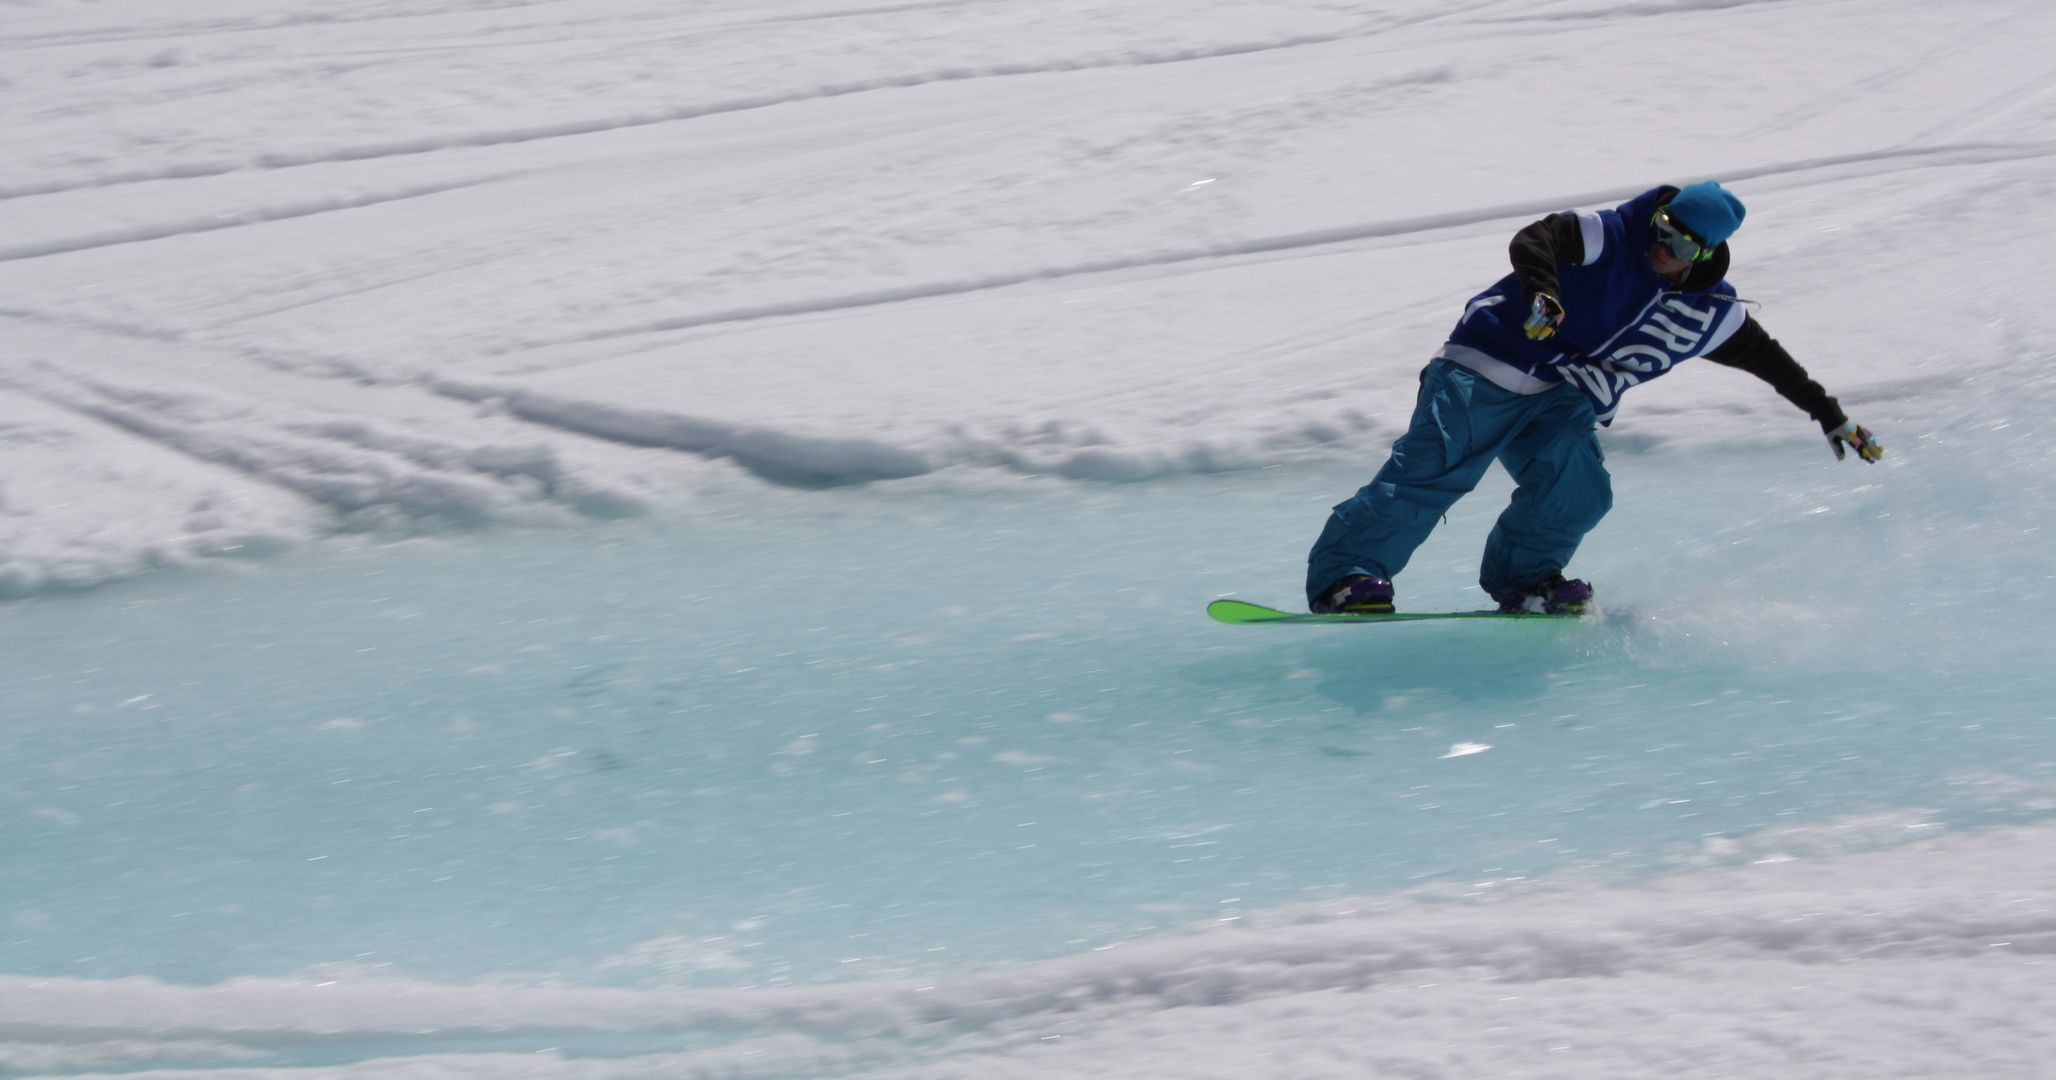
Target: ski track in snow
{"x": 1922, "y": 157}
{"x": 663, "y": 115}
{"x": 252, "y": 215}
{"x": 573, "y": 128}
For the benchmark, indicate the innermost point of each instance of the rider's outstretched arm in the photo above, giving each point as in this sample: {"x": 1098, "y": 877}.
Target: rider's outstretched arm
{"x": 1756, "y": 352}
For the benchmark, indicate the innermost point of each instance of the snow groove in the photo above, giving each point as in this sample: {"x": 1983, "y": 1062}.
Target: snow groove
{"x": 256, "y": 215}
{"x": 427, "y": 144}
{"x": 1628, "y": 10}
{"x": 1909, "y": 157}
{"x": 781, "y": 457}
{"x": 325, "y": 473}
{"x": 348, "y": 465}
{"x": 1230, "y": 249}
{"x": 1054, "y": 448}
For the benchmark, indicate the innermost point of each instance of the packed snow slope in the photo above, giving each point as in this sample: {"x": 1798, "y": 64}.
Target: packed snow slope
{"x": 688, "y": 522}
{"x": 268, "y": 271}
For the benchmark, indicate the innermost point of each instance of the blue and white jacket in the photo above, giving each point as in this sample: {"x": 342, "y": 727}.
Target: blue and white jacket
{"x": 1624, "y": 323}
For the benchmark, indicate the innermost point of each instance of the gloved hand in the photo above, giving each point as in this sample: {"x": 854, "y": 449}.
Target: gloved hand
{"x": 1854, "y": 436}
{"x": 1545, "y": 314}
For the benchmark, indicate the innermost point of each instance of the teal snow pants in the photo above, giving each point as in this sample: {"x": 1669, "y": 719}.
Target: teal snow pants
{"x": 1461, "y": 424}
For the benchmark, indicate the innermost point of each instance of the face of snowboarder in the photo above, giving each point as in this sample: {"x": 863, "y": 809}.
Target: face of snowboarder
{"x": 1663, "y": 262}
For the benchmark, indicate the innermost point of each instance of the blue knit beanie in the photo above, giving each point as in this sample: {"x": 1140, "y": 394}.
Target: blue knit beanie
{"x": 1709, "y": 210}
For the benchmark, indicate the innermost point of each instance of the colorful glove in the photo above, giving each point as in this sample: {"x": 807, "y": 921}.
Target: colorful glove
{"x": 1544, "y": 316}
{"x": 1854, "y": 436}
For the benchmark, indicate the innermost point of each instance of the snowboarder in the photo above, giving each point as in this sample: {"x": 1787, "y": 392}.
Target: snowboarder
{"x": 1598, "y": 301}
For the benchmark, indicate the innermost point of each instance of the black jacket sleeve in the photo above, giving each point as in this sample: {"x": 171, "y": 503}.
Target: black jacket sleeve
{"x": 1540, "y": 248}
{"x": 1756, "y": 352}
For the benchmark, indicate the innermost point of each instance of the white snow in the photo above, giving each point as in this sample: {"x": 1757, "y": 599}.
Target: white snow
{"x": 1931, "y": 961}
{"x": 449, "y": 260}
{"x": 274, "y": 275}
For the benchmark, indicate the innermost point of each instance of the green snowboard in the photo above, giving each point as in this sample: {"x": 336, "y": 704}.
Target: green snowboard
{"x": 1237, "y": 613}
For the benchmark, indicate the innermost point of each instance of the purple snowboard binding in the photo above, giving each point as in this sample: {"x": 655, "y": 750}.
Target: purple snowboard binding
{"x": 1553, "y": 595}
{"x": 1357, "y": 594}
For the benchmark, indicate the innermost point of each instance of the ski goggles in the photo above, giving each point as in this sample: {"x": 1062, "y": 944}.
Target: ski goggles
{"x": 1680, "y": 241}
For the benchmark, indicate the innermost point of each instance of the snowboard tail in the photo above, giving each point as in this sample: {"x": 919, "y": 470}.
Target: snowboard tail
{"x": 1240, "y": 613}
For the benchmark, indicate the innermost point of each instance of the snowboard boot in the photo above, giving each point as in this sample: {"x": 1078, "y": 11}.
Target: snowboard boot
{"x": 1357, "y": 594}
{"x": 1553, "y": 595}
